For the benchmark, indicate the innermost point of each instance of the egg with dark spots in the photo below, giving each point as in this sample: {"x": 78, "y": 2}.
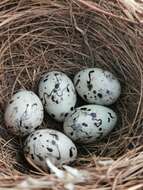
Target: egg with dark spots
{"x": 49, "y": 144}
{"x": 58, "y": 94}
{"x": 24, "y": 113}
{"x": 97, "y": 86}
{"x": 89, "y": 123}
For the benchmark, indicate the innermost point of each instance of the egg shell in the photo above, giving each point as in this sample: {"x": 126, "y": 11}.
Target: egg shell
{"x": 58, "y": 94}
{"x": 97, "y": 86}
{"x": 51, "y": 144}
{"x": 24, "y": 113}
{"x": 89, "y": 123}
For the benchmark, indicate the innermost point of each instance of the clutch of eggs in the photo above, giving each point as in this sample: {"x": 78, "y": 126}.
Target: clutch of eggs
{"x": 57, "y": 93}
{"x": 24, "y": 113}
{"x": 51, "y": 144}
{"x": 89, "y": 123}
{"x": 97, "y": 86}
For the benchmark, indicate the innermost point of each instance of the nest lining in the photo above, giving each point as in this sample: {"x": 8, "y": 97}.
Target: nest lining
{"x": 36, "y": 37}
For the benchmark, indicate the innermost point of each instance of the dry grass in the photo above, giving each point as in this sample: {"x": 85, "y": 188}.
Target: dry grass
{"x": 41, "y": 35}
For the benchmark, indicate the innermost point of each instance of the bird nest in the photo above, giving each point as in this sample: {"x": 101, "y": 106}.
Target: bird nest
{"x": 41, "y": 35}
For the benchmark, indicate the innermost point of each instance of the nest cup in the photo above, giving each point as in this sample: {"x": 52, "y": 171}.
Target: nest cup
{"x": 36, "y": 38}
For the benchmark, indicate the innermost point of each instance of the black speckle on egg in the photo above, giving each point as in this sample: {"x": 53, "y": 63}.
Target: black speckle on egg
{"x": 54, "y": 135}
{"x": 31, "y": 135}
{"x": 37, "y": 133}
{"x": 20, "y": 122}
{"x": 53, "y": 98}
{"x": 36, "y": 128}
{"x": 68, "y": 89}
{"x": 58, "y": 158}
{"x": 94, "y": 91}
{"x": 85, "y": 124}
{"x": 53, "y": 142}
{"x": 99, "y": 95}
{"x": 85, "y": 96}
{"x": 11, "y": 101}
{"x": 107, "y": 91}
{"x": 34, "y": 138}
{"x": 57, "y": 85}
{"x": 100, "y": 129}
{"x": 35, "y": 104}
{"x": 89, "y": 86}
{"x": 72, "y": 108}
{"x": 56, "y": 74}
{"x": 110, "y": 115}
{"x": 66, "y": 114}
{"x": 55, "y": 90}
{"x": 83, "y": 108}
{"x": 52, "y": 115}
{"x": 71, "y": 152}
{"x": 77, "y": 82}
{"x": 49, "y": 149}
{"x": 45, "y": 80}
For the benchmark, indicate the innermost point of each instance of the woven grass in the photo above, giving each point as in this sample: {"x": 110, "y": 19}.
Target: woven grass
{"x": 41, "y": 35}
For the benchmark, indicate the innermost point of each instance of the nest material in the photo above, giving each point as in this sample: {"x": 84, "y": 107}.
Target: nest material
{"x": 40, "y": 35}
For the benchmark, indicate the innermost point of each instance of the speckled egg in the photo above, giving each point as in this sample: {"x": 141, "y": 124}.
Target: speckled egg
{"x": 89, "y": 123}
{"x": 51, "y": 144}
{"x": 97, "y": 86}
{"x": 57, "y": 93}
{"x": 24, "y": 113}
